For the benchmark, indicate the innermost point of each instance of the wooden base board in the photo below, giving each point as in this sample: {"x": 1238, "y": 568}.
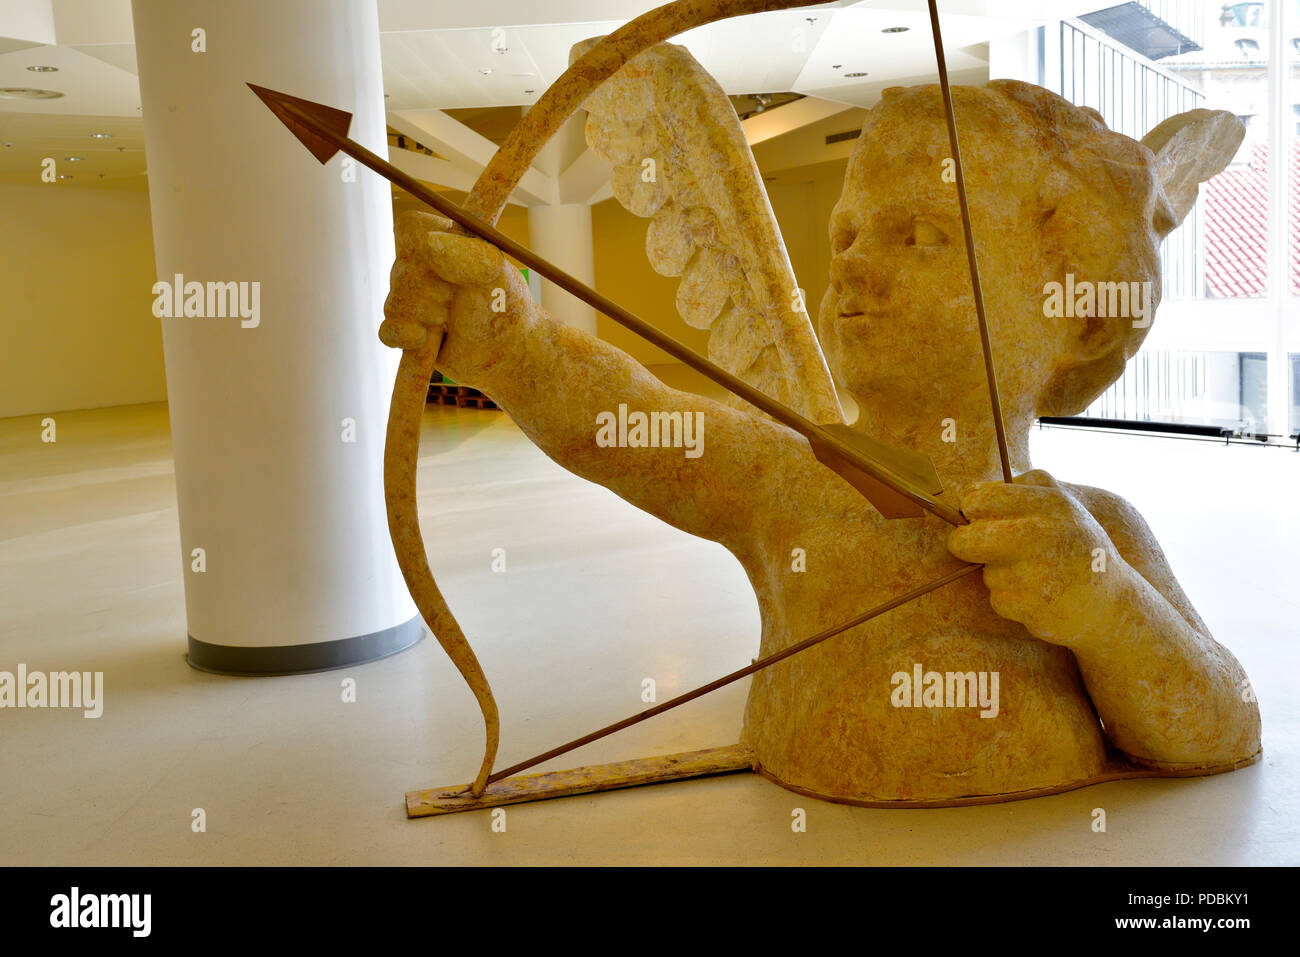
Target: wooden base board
{"x": 596, "y": 777}
{"x": 697, "y": 764}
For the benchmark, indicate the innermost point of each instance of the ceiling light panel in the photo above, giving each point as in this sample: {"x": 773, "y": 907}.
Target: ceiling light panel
{"x": 90, "y": 86}
{"x": 761, "y": 52}
{"x": 857, "y": 45}
{"x": 442, "y": 69}
{"x": 997, "y": 9}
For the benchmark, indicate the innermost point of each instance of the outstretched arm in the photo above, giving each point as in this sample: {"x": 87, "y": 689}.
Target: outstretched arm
{"x": 705, "y": 468}
{"x": 1079, "y": 567}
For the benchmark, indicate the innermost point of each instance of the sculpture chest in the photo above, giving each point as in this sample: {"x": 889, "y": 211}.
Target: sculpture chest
{"x": 939, "y": 699}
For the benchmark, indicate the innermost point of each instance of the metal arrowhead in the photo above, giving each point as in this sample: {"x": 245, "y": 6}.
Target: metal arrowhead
{"x": 336, "y": 121}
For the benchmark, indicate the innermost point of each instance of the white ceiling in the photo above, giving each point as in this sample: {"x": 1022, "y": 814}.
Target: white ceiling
{"x": 434, "y": 51}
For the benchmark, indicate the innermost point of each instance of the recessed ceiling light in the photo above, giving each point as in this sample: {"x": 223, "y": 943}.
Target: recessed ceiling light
{"x": 101, "y": 136}
{"x": 28, "y": 93}
{"x": 485, "y": 70}
{"x": 74, "y": 159}
{"x": 44, "y": 69}
{"x": 854, "y": 76}
{"x": 528, "y": 91}
{"x": 895, "y": 29}
{"x": 836, "y": 66}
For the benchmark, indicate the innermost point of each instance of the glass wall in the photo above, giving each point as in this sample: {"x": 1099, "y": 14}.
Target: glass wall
{"x": 1224, "y": 348}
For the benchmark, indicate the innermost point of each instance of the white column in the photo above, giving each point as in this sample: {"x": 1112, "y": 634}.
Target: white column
{"x": 562, "y": 233}
{"x": 300, "y": 572}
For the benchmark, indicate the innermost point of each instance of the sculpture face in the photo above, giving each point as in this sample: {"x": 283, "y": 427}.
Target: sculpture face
{"x": 898, "y": 320}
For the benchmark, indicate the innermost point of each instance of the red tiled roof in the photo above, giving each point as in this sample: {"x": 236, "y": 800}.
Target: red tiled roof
{"x": 1236, "y": 227}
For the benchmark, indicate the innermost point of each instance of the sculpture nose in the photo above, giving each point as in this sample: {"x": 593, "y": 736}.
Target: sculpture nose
{"x": 854, "y": 275}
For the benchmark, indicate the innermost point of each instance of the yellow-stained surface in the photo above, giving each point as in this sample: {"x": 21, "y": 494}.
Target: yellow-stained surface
{"x": 1079, "y": 626}
{"x": 549, "y": 785}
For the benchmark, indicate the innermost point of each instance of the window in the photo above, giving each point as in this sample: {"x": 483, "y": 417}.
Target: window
{"x": 1242, "y": 14}
{"x": 1225, "y": 345}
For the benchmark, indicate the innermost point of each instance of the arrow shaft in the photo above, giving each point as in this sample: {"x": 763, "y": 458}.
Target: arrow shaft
{"x": 628, "y": 320}
{"x": 750, "y": 669}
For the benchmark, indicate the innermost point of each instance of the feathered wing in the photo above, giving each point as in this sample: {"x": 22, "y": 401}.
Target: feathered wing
{"x": 680, "y": 157}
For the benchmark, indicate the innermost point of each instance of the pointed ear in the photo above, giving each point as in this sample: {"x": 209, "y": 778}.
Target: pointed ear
{"x": 1190, "y": 148}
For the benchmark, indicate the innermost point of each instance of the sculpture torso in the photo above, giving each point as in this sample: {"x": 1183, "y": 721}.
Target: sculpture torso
{"x": 825, "y": 721}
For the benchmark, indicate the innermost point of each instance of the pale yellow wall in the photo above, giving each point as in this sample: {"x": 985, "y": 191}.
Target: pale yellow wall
{"x": 801, "y": 199}
{"x": 802, "y": 204}
{"x": 623, "y": 274}
{"x": 76, "y": 270}
{"x": 76, "y": 324}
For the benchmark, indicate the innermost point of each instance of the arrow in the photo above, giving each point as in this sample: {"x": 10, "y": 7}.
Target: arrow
{"x": 898, "y": 482}
{"x": 755, "y": 666}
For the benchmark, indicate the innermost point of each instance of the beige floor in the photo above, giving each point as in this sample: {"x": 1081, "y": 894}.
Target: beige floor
{"x": 596, "y": 597}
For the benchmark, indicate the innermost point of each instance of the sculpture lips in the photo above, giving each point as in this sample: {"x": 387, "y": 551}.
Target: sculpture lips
{"x": 855, "y": 311}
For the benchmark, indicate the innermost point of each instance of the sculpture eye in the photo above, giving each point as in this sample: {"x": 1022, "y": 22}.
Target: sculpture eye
{"x": 925, "y": 234}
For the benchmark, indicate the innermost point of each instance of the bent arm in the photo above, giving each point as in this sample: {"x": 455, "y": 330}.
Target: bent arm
{"x": 1167, "y": 692}
{"x": 702, "y": 467}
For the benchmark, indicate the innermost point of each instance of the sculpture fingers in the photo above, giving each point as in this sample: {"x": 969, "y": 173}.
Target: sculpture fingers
{"x": 416, "y": 304}
{"x": 998, "y": 499}
{"x": 463, "y": 260}
{"x": 990, "y": 542}
{"x": 414, "y": 225}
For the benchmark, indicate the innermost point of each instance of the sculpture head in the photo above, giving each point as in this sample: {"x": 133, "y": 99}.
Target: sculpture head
{"x": 1055, "y": 197}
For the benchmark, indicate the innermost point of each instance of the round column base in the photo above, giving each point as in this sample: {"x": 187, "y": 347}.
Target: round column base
{"x": 265, "y": 661}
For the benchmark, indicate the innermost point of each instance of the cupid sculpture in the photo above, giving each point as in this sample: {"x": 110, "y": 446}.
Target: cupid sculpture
{"x": 1075, "y": 657}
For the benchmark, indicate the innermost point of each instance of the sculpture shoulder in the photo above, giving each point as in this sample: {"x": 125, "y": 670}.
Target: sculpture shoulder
{"x": 1117, "y": 515}
{"x": 1137, "y": 545}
